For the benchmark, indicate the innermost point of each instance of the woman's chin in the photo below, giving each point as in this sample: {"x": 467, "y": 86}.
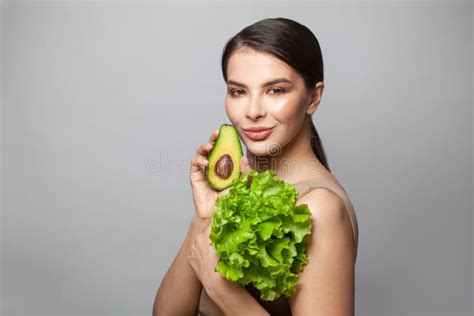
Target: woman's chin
{"x": 263, "y": 148}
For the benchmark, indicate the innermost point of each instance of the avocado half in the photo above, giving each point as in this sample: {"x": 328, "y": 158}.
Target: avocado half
{"x": 224, "y": 158}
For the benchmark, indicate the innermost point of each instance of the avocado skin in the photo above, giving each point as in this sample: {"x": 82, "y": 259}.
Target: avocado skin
{"x": 228, "y": 142}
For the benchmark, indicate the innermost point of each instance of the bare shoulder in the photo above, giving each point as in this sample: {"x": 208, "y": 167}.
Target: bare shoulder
{"x": 326, "y": 206}
{"x": 332, "y": 231}
{"x": 326, "y": 285}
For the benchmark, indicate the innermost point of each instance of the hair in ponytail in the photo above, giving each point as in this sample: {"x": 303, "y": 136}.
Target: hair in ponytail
{"x": 294, "y": 44}
{"x": 317, "y": 147}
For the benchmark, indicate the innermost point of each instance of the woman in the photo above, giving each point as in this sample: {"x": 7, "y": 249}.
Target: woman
{"x": 274, "y": 75}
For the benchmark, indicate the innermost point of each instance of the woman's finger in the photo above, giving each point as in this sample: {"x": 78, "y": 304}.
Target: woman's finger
{"x": 214, "y": 136}
{"x": 198, "y": 164}
{"x": 244, "y": 165}
{"x": 205, "y": 149}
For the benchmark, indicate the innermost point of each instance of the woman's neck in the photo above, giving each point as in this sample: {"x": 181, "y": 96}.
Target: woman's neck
{"x": 295, "y": 162}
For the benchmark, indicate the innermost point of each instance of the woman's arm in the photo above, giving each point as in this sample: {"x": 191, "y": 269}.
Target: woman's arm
{"x": 180, "y": 289}
{"x": 327, "y": 282}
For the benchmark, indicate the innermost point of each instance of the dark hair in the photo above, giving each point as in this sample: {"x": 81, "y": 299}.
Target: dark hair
{"x": 292, "y": 43}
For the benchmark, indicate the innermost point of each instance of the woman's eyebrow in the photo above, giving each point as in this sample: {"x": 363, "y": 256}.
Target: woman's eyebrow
{"x": 269, "y": 83}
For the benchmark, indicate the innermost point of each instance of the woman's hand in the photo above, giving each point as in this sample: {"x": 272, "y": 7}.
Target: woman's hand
{"x": 204, "y": 196}
{"x": 231, "y": 297}
{"x": 203, "y": 259}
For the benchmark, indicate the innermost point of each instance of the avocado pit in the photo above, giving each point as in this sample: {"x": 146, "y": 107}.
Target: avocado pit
{"x": 224, "y": 166}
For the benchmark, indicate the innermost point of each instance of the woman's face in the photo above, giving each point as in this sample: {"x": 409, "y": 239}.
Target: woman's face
{"x": 264, "y": 92}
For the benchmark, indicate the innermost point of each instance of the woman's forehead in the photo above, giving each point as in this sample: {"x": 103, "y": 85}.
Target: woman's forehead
{"x": 253, "y": 67}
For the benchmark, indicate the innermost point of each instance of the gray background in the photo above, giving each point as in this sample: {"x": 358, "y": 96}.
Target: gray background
{"x": 105, "y": 103}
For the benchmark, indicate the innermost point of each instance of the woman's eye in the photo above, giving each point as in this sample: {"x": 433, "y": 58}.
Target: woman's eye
{"x": 277, "y": 90}
{"x": 233, "y": 92}
{"x": 239, "y": 92}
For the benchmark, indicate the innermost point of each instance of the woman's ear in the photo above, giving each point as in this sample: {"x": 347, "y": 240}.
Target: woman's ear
{"x": 315, "y": 98}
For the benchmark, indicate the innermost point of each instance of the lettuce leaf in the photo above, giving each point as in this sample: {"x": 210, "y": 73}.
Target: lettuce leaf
{"x": 260, "y": 234}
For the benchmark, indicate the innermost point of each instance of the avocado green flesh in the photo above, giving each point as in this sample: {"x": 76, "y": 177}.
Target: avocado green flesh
{"x": 227, "y": 143}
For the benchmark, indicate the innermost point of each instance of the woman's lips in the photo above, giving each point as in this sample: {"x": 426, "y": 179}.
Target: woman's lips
{"x": 260, "y": 135}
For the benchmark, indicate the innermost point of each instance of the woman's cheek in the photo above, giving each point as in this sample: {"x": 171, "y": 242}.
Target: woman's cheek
{"x": 289, "y": 116}
{"x": 284, "y": 111}
{"x": 232, "y": 112}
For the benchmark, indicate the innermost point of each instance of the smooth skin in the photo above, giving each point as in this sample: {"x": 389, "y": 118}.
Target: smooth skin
{"x": 327, "y": 283}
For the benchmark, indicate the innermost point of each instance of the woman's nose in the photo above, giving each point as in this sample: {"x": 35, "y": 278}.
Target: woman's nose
{"x": 255, "y": 109}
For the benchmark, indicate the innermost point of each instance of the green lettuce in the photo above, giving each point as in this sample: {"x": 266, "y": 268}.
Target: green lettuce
{"x": 259, "y": 234}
